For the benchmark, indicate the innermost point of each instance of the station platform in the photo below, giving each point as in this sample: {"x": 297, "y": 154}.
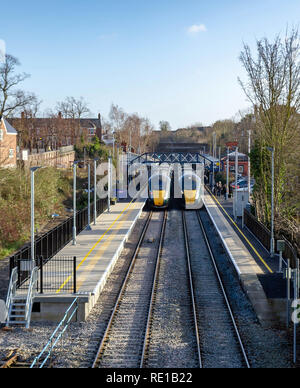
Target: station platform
{"x": 96, "y": 252}
{"x": 249, "y": 258}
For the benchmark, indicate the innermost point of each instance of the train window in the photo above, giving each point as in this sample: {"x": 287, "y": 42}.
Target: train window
{"x": 189, "y": 184}
{"x": 158, "y": 183}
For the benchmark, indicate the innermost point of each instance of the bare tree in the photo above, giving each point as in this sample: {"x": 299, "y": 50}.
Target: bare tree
{"x": 273, "y": 87}
{"x": 12, "y": 99}
{"x": 73, "y": 109}
{"x": 117, "y": 117}
{"x": 165, "y": 126}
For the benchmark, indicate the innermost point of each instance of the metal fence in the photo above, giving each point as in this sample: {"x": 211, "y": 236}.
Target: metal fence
{"x": 258, "y": 229}
{"x": 56, "y": 275}
{"x": 52, "y": 242}
{"x": 264, "y": 236}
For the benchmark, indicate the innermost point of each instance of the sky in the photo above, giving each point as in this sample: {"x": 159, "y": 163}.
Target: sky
{"x": 173, "y": 60}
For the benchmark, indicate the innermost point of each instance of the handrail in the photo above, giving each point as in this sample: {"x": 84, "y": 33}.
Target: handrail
{"x": 30, "y": 295}
{"x": 12, "y": 288}
{"x": 51, "y": 345}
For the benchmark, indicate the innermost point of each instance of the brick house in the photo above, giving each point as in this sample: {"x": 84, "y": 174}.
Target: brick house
{"x": 8, "y": 144}
{"x": 55, "y": 132}
{"x": 243, "y": 163}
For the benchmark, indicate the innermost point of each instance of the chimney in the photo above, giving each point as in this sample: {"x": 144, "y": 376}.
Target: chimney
{"x": 22, "y": 115}
{"x": 59, "y": 115}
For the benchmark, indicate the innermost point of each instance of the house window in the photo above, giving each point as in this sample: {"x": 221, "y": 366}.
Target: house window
{"x": 11, "y": 153}
{"x": 241, "y": 169}
{"x": 1, "y": 134}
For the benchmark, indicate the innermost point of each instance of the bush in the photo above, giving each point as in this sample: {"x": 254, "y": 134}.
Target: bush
{"x": 52, "y": 188}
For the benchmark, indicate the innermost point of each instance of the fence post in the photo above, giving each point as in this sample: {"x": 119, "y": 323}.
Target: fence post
{"x": 41, "y": 275}
{"x": 288, "y": 292}
{"x": 74, "y": 275}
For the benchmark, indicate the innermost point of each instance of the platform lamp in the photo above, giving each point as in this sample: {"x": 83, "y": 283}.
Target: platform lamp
{"x": 109, "y": 181}
{"x": 95, "y": 190}
{"x": 32, "y": 172}
{"x": 272, "y": 249}
{"x": 74, "y": 201}
{"x": 227, "y": 174}
{"x": 89, "y": 198}
{"x": 236, "y": 182}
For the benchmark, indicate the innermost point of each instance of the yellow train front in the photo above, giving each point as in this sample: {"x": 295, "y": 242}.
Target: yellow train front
{"x": 159, "y": 190}
{"x": 192, "y": 191}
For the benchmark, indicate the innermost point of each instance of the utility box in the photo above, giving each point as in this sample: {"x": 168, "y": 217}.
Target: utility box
{"x": 242, "y": 201}
{"x": 280, "y": 245}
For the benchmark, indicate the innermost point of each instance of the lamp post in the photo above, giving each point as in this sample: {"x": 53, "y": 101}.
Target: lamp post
{"x": 272, "y": 249}
{"x": 95, "y": 190}
{"x": 109, "y": 182}
{"x": 89, "y": 198}
{"x": 236, "y": 182}
{"x": 74, "y": 201}
{"x": 249, "y": 165}
{"x": 32, "y": 171}
{"x": 227, "y": 175}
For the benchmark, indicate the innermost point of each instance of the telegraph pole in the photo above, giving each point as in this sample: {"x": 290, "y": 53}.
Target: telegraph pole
{"x": 249, "y": 165}
{"x": 227, "y": 174}
{"x": 236, "y": 182}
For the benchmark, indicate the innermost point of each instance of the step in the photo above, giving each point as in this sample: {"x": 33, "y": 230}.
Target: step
{"x": 17, "y": 310}
{"x": 17, "y": 323}
{"x": 17, "y": 316}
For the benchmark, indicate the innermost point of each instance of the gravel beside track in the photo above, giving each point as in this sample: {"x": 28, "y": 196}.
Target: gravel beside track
{"x": 124, "y": 344}
{"x": 266, "y": 348}
{"x": 219, "y": 345}
{"x": 173, "y": 343}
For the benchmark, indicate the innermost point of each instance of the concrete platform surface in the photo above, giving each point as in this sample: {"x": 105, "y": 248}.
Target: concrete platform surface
{"x": 96, "y": 251}
{"x": 246, "y": 266}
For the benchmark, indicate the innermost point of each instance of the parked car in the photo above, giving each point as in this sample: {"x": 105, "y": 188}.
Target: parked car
{"x": 243, "y": 184}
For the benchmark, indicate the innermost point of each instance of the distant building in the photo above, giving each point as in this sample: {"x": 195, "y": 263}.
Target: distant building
{"x": 8, "y": 144}
{"x": 54, "y": 132}
{"x": 243, "y": 163}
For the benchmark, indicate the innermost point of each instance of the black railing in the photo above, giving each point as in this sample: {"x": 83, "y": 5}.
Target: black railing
{"x": 264, "y": 236}
{"x": 57, "y": 275}
{"x": 258, "y": 229}
{"x": 52, "y": 242}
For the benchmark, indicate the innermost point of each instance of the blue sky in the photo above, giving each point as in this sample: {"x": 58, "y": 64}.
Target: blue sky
{"x": 174, "y": 60}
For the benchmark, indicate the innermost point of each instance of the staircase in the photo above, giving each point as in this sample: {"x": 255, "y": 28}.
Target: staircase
{"x": 19, "y": 305}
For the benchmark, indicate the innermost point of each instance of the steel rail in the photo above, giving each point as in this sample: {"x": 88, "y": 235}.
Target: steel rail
{"x": 211, "y": 254}
{"x": 191, "y": 282}
{"x": 124, "y": 284}
{"x": 153, "y": 293}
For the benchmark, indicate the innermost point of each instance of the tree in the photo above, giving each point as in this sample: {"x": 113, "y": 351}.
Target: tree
{"x": 117, "y": 117}
{"x": 165, "y": 126}
{"x": 273, "y": 88}
{"x": 73, "y": 109}
{"x": 12, "y": 99}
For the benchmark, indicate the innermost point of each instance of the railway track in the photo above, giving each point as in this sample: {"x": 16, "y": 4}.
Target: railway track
{"x": 13, "y": 361}
{"x": 220, "y": 341}
{"x": 125, "y": 340}
{"x": 208, "y": 336}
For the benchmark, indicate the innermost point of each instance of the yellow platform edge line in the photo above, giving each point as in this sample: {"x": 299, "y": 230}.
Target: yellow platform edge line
{"x": 237, "y": 227}
{"x": 101, "y": 251}
{"x": 95, "y": 246}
